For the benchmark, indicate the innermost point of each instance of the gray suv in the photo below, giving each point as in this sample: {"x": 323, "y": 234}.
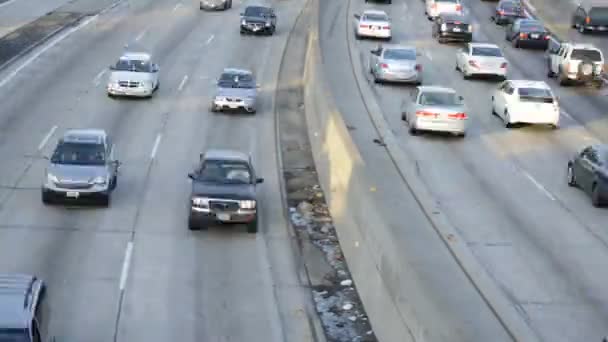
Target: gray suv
{"x": 82, "y": 166}
{"x": 236, "y": 90}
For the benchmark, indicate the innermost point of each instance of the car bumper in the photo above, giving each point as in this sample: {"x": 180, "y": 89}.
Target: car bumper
{"x": 400, "y": 76}
{"x": 507, "y": 19}
{"x": 500, "y": 72}
{"x": 457, "y": 36}
{"x": 256, "y": 29}
{"x": 374, "y": 33}
{"x": 207, "y": 216}
{"x": 536, "y": 43}
{"x": 134, "y": 92}
{"x": 451, "y": 126}
{"x": 574, "y": 76}
{"x": 222, "y": 104}
{"x": 76, "y": 194}
{"x": 213, "y": 6}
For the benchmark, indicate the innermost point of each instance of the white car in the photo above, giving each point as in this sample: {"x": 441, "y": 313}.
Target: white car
{"x": 529, "y": 102}
{"x": 373, "y": 24}
{"x": 480, "y": 59}
{"x": 433, "y": 8}
{"x": 133, "y": 75}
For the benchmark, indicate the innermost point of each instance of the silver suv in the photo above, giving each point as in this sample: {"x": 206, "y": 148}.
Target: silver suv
{"x": 133, "y": 75}
{"x": 81, "y": 167}
{"x": 236, "y": 90}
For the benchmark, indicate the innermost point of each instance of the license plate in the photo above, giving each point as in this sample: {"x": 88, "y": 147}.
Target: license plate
{"x": 534, "y": 36}
{"x": 223, "y": 217}
{"x": 72, "y": 194}
{"x": 456, "y": 29}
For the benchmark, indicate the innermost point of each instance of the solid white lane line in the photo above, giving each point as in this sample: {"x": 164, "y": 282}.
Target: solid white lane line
{"x": 126, "y": 264}
{"x": 178, "y": 5}
{"x": 210, "y": 39}
{"x": 45, "y": 49}
{"x": 97, "y": 78}
{"x": 182, "y": 83}
{"x": 538, "y": 185}
{"x": 141, "y": 35}
{"x": 47, "y": 137}
{"x": 155, "y": 147}
{"x": 428, "y": 55}
{"x": 7, "y": 3}
{"x": 564, "y": 113}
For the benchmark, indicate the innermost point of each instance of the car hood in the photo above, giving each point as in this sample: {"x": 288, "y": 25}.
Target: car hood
{"x": 226, "y": 191}
{"x": 236, "y": 92}
{"x": 77, "y": 173}
{"x": 116, "y": 76}
{"x": 251, "y": 19}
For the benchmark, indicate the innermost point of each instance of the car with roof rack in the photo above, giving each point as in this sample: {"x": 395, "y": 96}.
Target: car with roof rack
{"x": 134, "y": 75}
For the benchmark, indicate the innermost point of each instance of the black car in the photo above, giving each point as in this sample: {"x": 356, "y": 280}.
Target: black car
{"x": 258, "y": 20}
{"x": 507, "y": 11}
{"x": 528, "y": 32}
{"x": 224, "y": 190}
{"x": 23, "y": 309}
{"x": 588, "y": 170}
{"x": 453, "y": 27}
{"x": 591, "y": 17}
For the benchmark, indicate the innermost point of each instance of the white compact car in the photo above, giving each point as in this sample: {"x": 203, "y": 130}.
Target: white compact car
{"x": 529, "y": 102}
{"x": 373, "y": 24}
{"x": 480, "y": 59}
{"x": 434, "y": 8}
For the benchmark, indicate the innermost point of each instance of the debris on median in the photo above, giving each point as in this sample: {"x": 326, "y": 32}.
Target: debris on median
{"x": 336, "y": 298}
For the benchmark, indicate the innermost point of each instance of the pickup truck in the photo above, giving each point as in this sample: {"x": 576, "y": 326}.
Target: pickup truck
{"x": 576, "y": 63}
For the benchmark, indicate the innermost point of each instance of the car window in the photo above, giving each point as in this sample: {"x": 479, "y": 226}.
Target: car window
{"x": 225, "y": 172}
{"x": 236, "y": 80}
{"x": 598, "y": 13}
{"x": 254, "y": 11}
{"x": 486, "y": 51}
{"x": 14, "y": 335}
{"x": 535, "y": 95}
{"x": 593, "y": 156}
{"x": 592, "y": 55}
{"x": 79, "y": 154}
{"x": 400, "y": 54}
{"x": 124, "y": 64}
{"x": 437, "y": 98}
{"x": 375, "y": 17}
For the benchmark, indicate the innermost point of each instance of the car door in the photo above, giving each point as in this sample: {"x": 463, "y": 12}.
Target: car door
{"x": 586, "y": 168}
{"x": 499, "y": 94}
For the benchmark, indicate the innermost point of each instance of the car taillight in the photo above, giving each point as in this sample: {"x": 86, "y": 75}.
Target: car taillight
{"x": 474, "y": 64}
{"x": 384, "y": 66}
{"x": 457, "y": 116}
{"x": 587, "y": 20}
{"x": 386, "y": 27}
{"x": 457, "y": 23}
{"x": 363, "y": 26}
{"x": 501, "y": 12}
{"x": 547, "y": 37}
{"x": 503, "y": 65}
{"x": 458, "y": 8}
{"x": 418, "y": 67}
{"x": 523, "y": 35}
{"x": 424, "y": 113}
{"x": 434, "y": 6}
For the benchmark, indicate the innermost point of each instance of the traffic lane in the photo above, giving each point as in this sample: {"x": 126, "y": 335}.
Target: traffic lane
{"x": 423, "y": 276}
{"x": 468, "y": 167}
{"x": 222, "y": 274}
{"x": 14, "y": 14}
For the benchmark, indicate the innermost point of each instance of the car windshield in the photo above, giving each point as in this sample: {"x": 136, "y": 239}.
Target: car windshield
{"x": 133, "y": 65}
{"x": 375, "y": 17}
{"x": 592, "y": 55}
{"x": 13, "y": 335}
{"x": 257, "y": 12}
{"x": 486, "y": 51}
{"x": 225, "y": 172}
{"x": 236, "y": 80}
{"x": 535, "y": 95}
{"x": 436, "y": 98}
{"x": 79, "y": 154}
{"x": 599, "y": 13}
{"x": 400, "y": 54}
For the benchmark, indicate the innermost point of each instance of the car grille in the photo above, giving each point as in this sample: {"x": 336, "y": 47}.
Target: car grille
{"x": 128, "y": 84}
{"x": 223, "y": 206}
{"x": 233, "y": 99}
{"x": 255, "y": 25}
{"x": 73, "y": 185}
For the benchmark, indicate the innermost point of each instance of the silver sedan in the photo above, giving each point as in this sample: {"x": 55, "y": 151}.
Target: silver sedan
{"x": 395, "y": 63}
{"x": 433, "y": 108}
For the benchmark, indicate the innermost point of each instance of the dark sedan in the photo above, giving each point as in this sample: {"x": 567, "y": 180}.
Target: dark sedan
{"x": 588, "y": 170}
{"x": 453, "y": 27}
{"x": 507, "y": 11}
{"x": 528, "y": 32}
{"x": 258, "y": 20}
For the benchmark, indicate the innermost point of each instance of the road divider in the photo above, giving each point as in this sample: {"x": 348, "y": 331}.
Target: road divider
{"x": 46, "y": 138}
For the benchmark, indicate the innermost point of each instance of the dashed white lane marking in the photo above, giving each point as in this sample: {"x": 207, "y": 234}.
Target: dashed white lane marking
{"x": 428, "y": 55}
{"x": 210, "y": 39}
{"x": 141, "y": 35}
{"x": 47, "y": 137}
{"x": 178, "y": 5}
{"x": 182, "y": 83}
{"x": 126, "y": 264}
{"x": 538, "y": 185}
{"x": 155, "y": 147}
{"x": 97, "y": 79}
{"x": 29, "y": 61}
{"x": 564, "y": 113}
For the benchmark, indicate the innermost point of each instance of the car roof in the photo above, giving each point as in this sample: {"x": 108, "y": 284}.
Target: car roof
{"x": 486, "y": 45}
{"x": 528, "y": 21}
{"x": 436, "y": 88}
{"x": 89, "y": 136}
{"x": 139, "y": 56}
{"x": 16, "y": 300}
{"x": 371, "y": 11}
{"x": 236, "y": 71}
{"x": 529, "y": 84}
{"x": 225, "y": 154}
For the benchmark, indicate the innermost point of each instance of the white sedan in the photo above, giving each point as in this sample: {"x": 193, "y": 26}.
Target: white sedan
{"x": 373, "y": 24}
{"x": 529, "y": 102}
{"x": 480, "y": 59}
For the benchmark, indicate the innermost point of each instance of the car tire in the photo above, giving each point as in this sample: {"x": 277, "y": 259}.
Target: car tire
{"x": 213, "y": 108}
{"x": 193, "y": 224}
{"x": 105, "y": 201}
{"x": 46, "y": 198}
{"x": 111, "y": 96}
{"x": 242, "y": 32}
{"x": 390, "y": 2}
{"x": 413, "y": 130}
{"x": 596, "y": 198}
{"x": 252, "y": 227}
{"x": 599, "y": 84}
{"x": 515, "y": 43}
{"x": 563, "y": 81}
{"x": 441, "y": 40}
{"x": 570, "y": 176}
{"x": 581, "y": 29}
{"x": 550, "y": 73}
{"x": 493, "y": 111}
{"x": 507, "y": 120}
{"x": 554, "y": 126}
{"x": 403, "y": 117}
{"x": 113, "y": 183}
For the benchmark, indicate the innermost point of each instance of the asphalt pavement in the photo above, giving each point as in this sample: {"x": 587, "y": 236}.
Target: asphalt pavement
{"x": 134, "y": 272}
{"x": 16, "y": 13}
{"x": 504, "y": 190}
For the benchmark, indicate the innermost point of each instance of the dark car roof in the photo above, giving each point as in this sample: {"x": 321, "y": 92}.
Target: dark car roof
{"x": 16, "y": 300}
{"x": 456, "y": 17}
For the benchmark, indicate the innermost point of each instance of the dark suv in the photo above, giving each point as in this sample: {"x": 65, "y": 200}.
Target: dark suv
{"x": 224, "y": 190}
{"x": 23, "y": 310}
{"x": 591, "y": 16}
{"x": 258, "y": 20}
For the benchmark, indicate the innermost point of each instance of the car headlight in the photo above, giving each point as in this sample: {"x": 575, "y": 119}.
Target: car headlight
{"x": 248, "y": 204}
{"x": 470, "y": 28}
{"x": 444, "y": 27}
{"x": 99, "y": 180}
{"x": 243, "y": 22}
{"x": 51, "y": 178}
{"x": 267, "y": 23}
{"x": 200, "y": 201}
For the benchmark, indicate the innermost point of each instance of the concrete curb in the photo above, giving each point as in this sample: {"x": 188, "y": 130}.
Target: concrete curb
{"x": 505, "y": 312}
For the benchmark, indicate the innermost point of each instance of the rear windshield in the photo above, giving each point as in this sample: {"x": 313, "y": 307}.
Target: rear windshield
{"x": 535, "y": 95}
{"x": 592, "y": 55}
{"x": 486, "y": 51}
{"x": 13, "y": 335}
{"x": 599, "y": 13}
{"x": 400, "y": 54}
{"x": 509, "y": 6}
{"x": 450, "y": 1}
{"x": 439, "y": 99}
{"x": 375, "y": 17}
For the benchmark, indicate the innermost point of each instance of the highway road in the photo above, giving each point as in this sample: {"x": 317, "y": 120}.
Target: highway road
{"x": 504, "y": 190}
{"x": 134, "y": 272}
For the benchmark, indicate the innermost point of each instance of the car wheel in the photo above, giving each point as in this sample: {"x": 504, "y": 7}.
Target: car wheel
{"x": 456, "y": 67}
{"x": 157, "y": 86}
{"x": 550, "y": 73}
{"x": 193, "y": 224}
{"x": 413, "y": 130}
{"x": 403, "y": 117}
{"x": 554, "y": 126}
{"x": 46, "y": 198}
{"x": 213, "y": 108}
{"x": 596, "y": 199}
{"x": 242, "y": 32}
{"x": 570, "y": 176}
{"x": 113, "y": 183}
{"x": 110, "y": 95}
{"x": 563, "y": 81}
{"x": 493, "y": 110}
{"x": 465, "y": 76}
{"x": 441, "y": 40}
{"x": 515, "y": 43}
{"x": 581, "y": 29}
{"x": 105, "y": 200}
{"x": 507, "y": 119}
{"x": 252, "y": 227}
{"x": 599, "y": 84}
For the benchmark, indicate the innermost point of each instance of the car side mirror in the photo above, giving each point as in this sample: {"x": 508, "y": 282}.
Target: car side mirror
{"x": 357, "y": 16}
{"x": 460, "y": 98}
{"x": 191, "y": 175}
{"x": 259, "y": 180}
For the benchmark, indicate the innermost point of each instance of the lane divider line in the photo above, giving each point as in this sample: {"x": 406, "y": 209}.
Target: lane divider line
{"x": 178, "y": 5}
{"x": 210, "y": 39}
{"x": 47, "y": 137}
{"x": 141, "y": 35}
{"x": 97, "y": 79}
{"x": 155, "y": 147}
{"x": 126, "y": 264}
{"x": 538, "y": 185}
{"x": 182, "y": 83}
